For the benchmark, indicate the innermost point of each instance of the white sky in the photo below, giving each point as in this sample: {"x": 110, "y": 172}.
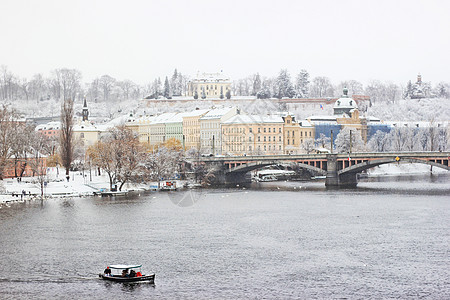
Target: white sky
{"x": 140, "y": 40}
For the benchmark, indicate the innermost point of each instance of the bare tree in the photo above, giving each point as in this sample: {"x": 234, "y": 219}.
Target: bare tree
{"x": 8, "y": 126}
{"x": 39, "y": 144}
{"x": 106, "y": 83}
{"x": 321, "y": 87}
{"x": 162, "y": 163}
{"x": 119, "y": 154}
{"x": 66, "y": 135}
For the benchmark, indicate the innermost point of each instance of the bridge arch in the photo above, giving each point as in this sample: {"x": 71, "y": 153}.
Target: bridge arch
{"x": 257, "y": 165}
{"x": 373, "y": 163}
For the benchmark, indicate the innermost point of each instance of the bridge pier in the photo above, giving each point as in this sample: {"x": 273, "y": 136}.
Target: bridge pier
{"x": 333, "y": 179}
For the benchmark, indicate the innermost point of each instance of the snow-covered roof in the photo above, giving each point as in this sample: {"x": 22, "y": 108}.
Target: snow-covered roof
{"x": 304, "y": 123}
{"x": 217, "y": 113}
{"x": 314, "y": 119}
{"x": 163, "y": 118}
{"x": 91, "y": 127}
{"x": 195, "y": 113}
{"x": 345, "y": 103}
{"x": 254, "y": 119}
{"x": 54, "y": 125}
{"x": 419, "y": 124}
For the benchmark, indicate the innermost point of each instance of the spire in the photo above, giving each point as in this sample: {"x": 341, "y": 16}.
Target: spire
{"x": 85, "y": 112}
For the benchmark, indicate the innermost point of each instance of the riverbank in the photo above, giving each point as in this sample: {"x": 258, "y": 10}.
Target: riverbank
{"x": 80, "y": 185}
{"x": 12, "y": 190}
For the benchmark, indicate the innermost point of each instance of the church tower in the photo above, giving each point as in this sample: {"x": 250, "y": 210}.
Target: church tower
{"x": 85, "y": 112}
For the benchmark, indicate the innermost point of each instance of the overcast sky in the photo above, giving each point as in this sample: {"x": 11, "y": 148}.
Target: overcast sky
{"x": 140, "y": 40}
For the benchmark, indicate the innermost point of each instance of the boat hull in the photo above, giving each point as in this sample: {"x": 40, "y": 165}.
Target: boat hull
{"x": 145, "y": 278}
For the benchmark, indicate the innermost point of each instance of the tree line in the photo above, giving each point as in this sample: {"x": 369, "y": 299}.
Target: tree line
{"x": 66, "y": 83}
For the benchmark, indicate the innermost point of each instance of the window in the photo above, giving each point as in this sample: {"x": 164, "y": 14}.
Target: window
{"x": 301, "y": 133}
{"x": 293, "y": 142}
{"x": 250, "y": 129}
{"x": 279, "y": 130}
{"x": 264, "y": 129}
{"x": 288, "y": 133}
{"x": 274, "y": 130}
{"x": 269, "y": 129}
{"x": 310, "y": 134}
{"x": 259, "y": 130}
{"x": 82, "y": 135}
{"x": 269, "y": 138}
{"x": 259, "y": 139}
{"x": 264, "y": 139}
{"x": 288, "y": 141}
{"x": 293, "y": 133}
{"x": 249, "y": 138}
{"x": 279, "y": 138}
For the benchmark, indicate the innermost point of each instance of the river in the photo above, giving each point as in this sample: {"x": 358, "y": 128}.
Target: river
{"x": 388, "y": 238}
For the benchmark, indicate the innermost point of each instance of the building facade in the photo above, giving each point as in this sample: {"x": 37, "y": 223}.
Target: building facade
{"x": 191, "y": 129}
{"x": 211, "y": 129}
{"x": 209, "y": 85}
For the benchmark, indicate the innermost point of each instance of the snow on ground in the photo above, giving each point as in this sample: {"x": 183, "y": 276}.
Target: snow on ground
{"x": 405, "y": 168}
{"x": 58, "y": 186}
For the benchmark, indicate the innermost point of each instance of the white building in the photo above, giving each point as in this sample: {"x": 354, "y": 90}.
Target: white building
{"x": 211, "y": 131}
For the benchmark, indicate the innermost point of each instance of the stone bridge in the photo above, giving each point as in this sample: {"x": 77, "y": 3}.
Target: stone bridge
{"x": 340, "y": 169}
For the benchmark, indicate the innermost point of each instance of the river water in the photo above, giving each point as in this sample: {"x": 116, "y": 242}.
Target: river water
{"x": 389, "y": 238}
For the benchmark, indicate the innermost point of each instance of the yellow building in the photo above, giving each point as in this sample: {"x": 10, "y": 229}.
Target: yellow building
{"x": 88, "y": 134}
{"x": 191, "y": 129}
{"x": 252, "y": 135}
{"x": 295, "y": 134}
{"x": 209, "y": 85}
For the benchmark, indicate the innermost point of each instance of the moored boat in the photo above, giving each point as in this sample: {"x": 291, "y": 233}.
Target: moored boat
{"x": 126, "y": 273}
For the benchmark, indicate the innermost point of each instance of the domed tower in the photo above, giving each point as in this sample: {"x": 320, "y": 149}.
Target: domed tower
{"x": 85, "y": 112}
{"x": 344, "y": 105}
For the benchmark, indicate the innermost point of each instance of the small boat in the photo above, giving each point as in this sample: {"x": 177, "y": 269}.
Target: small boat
{"x": 106, "y": 193}
{"x": 126, "y": 273}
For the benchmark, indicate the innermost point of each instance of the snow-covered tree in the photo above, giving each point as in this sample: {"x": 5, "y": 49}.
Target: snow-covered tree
{"x": 163, "y": 163}
{"x": 378, "y": 142}
{"x": 323, "y": 141}
{"x": 349, "y": 140}
{"x": 308, "y": 145}
{"x": 256, "y": 84}
{"x": 302, "y": 84}
{"x": 442, "y": 90}
{"x": 166, "y": 92}
{"x": 284, "y": 85}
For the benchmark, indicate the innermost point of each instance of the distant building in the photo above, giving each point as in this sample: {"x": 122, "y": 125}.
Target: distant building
{"x": 345, "y": 114}
{"x": 191, "y": 129}
{"x": 209, "y": 85}
{"x": 50, "y": 129}
{"x": 211, "y": 129}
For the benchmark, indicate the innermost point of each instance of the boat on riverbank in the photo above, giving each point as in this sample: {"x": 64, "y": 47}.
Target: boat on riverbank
{"x": 108, "y": 193}
{"x": 121, "y": 273}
